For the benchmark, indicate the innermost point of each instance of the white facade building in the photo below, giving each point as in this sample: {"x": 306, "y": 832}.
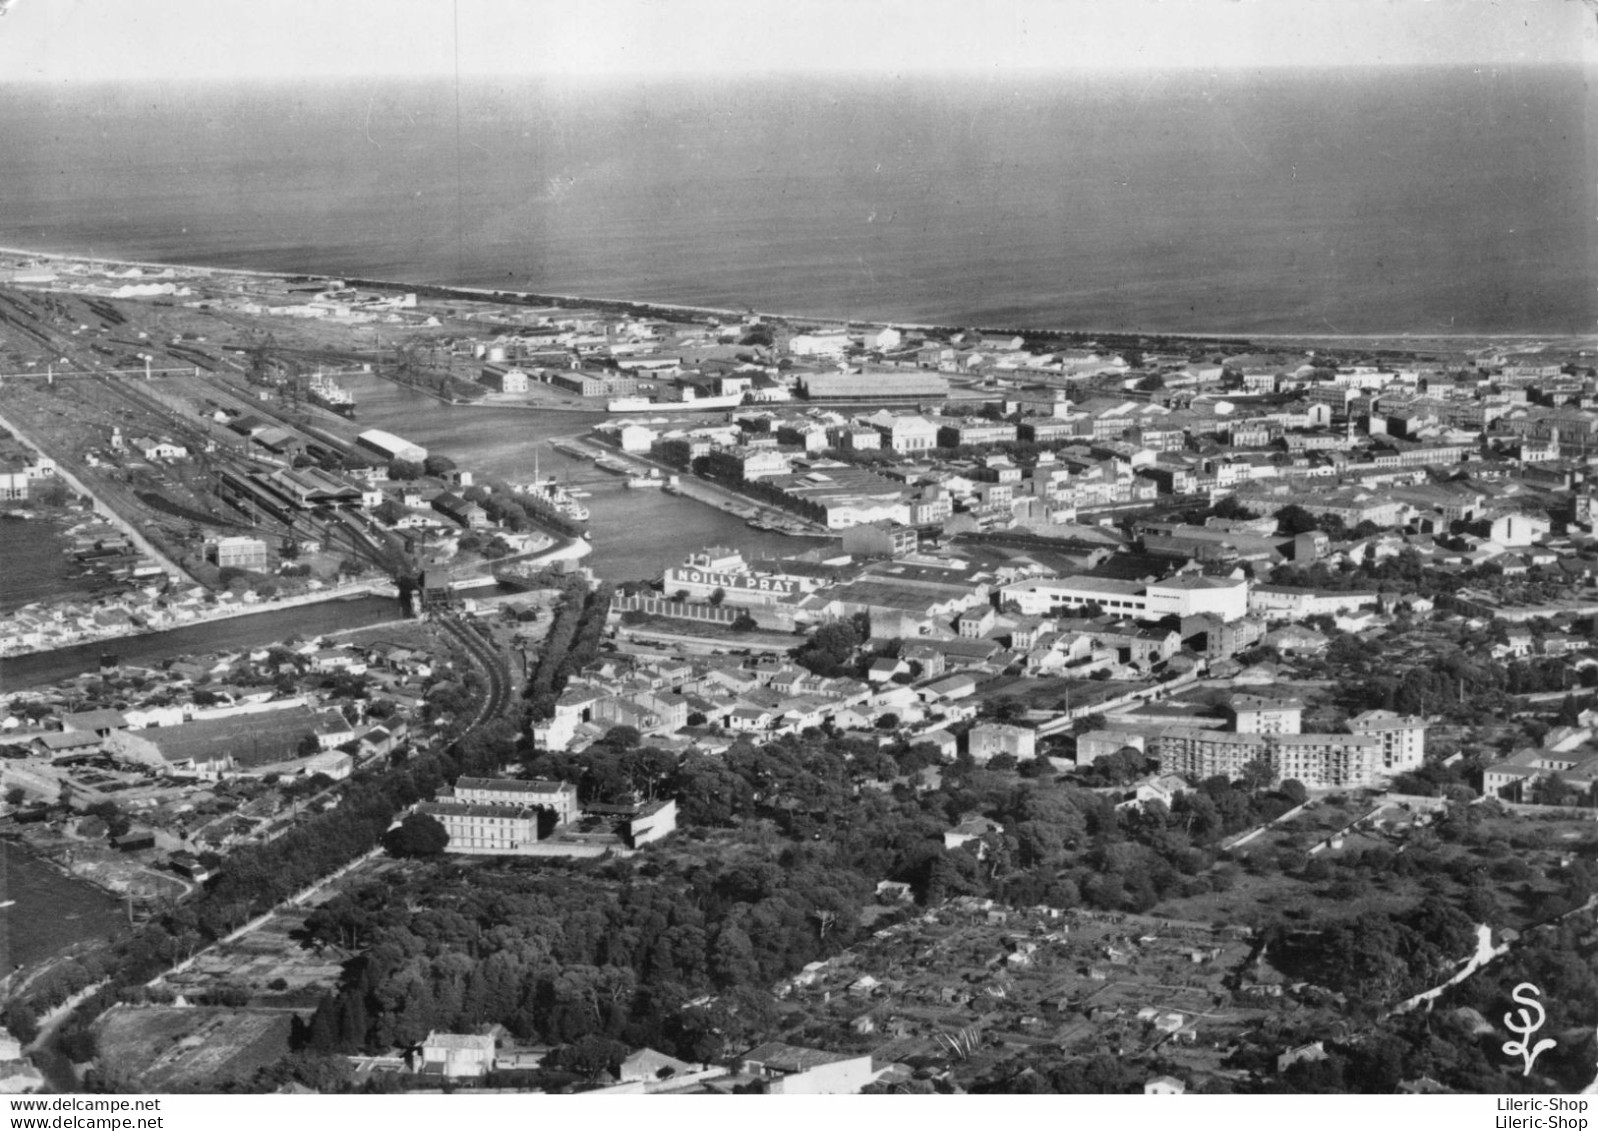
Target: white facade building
{"x": 1403, "y": 737}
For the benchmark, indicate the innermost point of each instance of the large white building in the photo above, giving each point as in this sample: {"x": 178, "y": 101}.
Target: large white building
{"x": 906, "y": 433}
{"x": 1254, "y": 714}
{"x": 791, "y": 1070}
{"x": 1282, "y": 602}
{"x": 1190, "y": 594}
{"x": 703, "y": 573}
{"x": 1403, "y": 737}
{"x": 1319, "y": 761}
{"x": 390, "y": 446}
{"x": 476, "y": 829}
{"x": 557, "y": 796}
{"x": 832, "y": 344}
{"x": 988, "y": 740}
{"x": 455, "y": 1055}
{"x": 1039, "y": 596}
{"x": 241, "y": 553}
{"x": 1184, "y": 595}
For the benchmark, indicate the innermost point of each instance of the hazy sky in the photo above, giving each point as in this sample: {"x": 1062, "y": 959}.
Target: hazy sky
{"x": 82, "y": 40}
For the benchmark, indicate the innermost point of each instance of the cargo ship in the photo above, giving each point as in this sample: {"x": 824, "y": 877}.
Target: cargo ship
{"x": 697, "y": 404}
{"x": 554, "y": 495}
{"x": 329, "y": 394}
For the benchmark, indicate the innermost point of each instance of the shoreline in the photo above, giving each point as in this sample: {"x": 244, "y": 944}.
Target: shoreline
{"x": 485, "y": 294}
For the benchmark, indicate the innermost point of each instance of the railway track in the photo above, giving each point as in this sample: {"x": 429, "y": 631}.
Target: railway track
{"x": 493, "y": 664}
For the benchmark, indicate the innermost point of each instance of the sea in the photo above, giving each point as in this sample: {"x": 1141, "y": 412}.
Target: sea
{"x": 1381, "y": 200}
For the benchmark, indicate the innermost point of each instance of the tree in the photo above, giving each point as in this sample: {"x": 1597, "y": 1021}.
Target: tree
{"x": 1551, "y": 789}
{"x": 1009, "y": 709}
{"x": 1150, "y": 383}
{"x": 1294, "y": 519}
{"x": 718, "y": 596}
{"x": 389, "y": 511}
{"x": 1088, "y": 724}
{"x": 589, "y": 1056}
{"x": 1230, "y": 508}
{"x": 831, "y": 650}
{"x": 404, "y": 469}
{"x": 438, "y": 465}
{"x": 52, "y": 493}
{"x": 417, "y": 835}
{"x": 1257, "y": 775}
{"x": 622, "y": 737}
{"x": 760, "y": 334}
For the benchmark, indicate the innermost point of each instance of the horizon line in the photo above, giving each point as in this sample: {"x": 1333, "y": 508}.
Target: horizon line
{"x": 733, "y": 72}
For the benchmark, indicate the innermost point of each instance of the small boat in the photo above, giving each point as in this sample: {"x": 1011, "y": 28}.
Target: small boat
{"x": 8, "y": 903}
{"x": 651, "y": 479}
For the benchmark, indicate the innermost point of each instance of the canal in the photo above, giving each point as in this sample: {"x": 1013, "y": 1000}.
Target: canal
{"x": 149, "y": 649}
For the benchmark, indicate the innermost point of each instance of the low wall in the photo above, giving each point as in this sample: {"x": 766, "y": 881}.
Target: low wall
{"x": 1129, "y": 699}
{"x": 546, "y": 849}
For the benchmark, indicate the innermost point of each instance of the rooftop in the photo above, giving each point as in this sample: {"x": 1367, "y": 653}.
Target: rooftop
{"x": 791, "y": 1058}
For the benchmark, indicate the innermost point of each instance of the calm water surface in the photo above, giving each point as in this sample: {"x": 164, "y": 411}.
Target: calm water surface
{"x": 1349, "y": 200}
{"x": 635, "y": 534}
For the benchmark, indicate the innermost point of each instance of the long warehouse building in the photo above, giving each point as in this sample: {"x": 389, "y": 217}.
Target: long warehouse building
{"x": 390, "y": 446}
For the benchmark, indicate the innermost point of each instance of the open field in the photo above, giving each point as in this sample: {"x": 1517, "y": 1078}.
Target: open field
{"x": 272, "y": 966}
{"x": 160, "y": 1048}
{"x": 974, "y": 985}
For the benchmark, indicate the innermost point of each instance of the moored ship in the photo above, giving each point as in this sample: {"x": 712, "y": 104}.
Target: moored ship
{"x": 328, "y": 393}
{"x": 550, "y": 492}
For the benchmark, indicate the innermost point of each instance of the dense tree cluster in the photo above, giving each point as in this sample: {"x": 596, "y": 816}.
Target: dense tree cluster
{"x": 786, "y": 843}
{"x": 571, "y": 645}
{"x": 582, "y": 955}
{"x": 1376, "y": 958}
{"x": 833, "y": 648}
